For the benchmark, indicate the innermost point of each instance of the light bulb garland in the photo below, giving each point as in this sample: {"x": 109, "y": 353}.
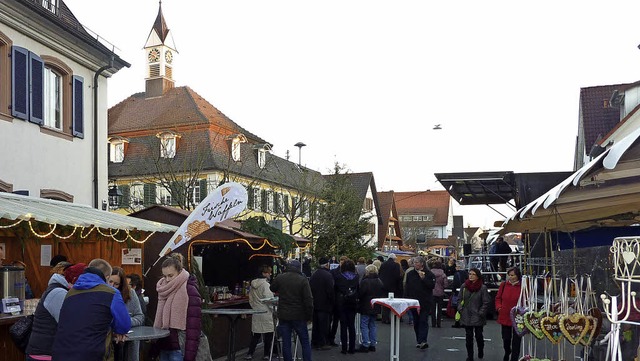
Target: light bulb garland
{"x": 57, "y": 231}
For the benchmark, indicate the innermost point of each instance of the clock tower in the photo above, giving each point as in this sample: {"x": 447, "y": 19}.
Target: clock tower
{"x": 159, "y": 54}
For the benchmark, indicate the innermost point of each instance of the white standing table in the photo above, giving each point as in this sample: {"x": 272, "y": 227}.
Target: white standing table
{"x": 398, "y": 306}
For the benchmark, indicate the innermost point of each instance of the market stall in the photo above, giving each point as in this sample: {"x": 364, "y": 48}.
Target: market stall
{"x": 33, "y": 230}
{"x": 228, "y": 258}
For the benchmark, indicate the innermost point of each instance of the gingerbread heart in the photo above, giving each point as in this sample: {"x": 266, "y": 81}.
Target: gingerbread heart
{"x": 574, "y": 327}
{"x": 517, "y": 320}
{"x": 595, "y": 312}
{"x": 589, "y": 336}
{"x": 532, "y": 322}
{"x": 550, "y": 326}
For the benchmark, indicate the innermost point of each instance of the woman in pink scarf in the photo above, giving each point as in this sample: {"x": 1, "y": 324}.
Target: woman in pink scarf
{"x": 178, "y": 310}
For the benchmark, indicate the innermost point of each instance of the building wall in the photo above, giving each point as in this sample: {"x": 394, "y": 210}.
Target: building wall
{"x": 32, "y": 159}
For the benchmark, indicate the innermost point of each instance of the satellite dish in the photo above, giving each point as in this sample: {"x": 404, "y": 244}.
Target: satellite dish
{"x": 437, "y": 127}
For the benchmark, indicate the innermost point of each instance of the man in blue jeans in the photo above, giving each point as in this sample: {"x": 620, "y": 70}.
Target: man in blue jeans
{"x": 295, "y": 308}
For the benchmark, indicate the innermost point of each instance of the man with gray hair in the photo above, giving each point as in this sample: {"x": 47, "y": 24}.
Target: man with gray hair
{"x": 420, "y": 284}
{"x": 91, "y": 313}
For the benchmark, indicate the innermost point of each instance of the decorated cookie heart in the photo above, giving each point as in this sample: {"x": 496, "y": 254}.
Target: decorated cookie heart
{"x": 550, "y": 326}
{"x": 517, "y": 320}
{"x": 574, "y": 327}
{"x": 591, "y": 331}
{"x": 532, "y": 322}
{"x": 595, "y": 312}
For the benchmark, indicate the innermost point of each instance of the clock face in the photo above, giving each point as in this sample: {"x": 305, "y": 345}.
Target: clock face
{"x": 154, "y": 55}
{"x": 168, "y": 56}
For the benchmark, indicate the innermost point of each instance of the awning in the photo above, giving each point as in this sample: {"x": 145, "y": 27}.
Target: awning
{"x": 479, "y": 187}
{"x": 18, "y": 207}
{"x": 604, "y": 192}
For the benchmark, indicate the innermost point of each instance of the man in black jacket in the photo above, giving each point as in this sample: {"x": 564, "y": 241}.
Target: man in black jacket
{"x": 295, "y": 308}
{"x": 322, "y": 284}
{"x": 391, "y": 275}
{"x": 420, "y": 284}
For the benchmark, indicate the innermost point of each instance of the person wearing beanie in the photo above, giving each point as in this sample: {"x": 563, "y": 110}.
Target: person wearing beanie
{"x": 72, "y": 272}
{"x": 295, "y": 308}
{"x": 92, "y": 314}
{"x": 322, "y": 283}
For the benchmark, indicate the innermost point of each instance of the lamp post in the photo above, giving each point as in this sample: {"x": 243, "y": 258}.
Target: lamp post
{"x": 299, "y": 145}
{"x": 115, "y": 194}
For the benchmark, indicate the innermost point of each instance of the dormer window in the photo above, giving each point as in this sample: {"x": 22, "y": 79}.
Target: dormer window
{"x": 263, "y": 149}
{"x": 168, "y": 144}
{"x": 236, "y": 140}
{"x": 51, "y": 5}
{"x": 116, "y": 149}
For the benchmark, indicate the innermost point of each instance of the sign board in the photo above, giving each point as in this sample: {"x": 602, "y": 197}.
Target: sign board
{"x": 132, "y": 256}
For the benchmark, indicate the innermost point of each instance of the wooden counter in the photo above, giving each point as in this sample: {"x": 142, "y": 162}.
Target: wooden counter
{"x": 7, "y": 348}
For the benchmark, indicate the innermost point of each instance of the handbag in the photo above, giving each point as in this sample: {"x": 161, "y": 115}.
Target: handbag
{"x": 21, "y": 331}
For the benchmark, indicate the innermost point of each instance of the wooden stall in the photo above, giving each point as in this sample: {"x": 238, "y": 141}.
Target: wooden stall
{"x": 33, "y": 230}
{"x": 228, "y": 257}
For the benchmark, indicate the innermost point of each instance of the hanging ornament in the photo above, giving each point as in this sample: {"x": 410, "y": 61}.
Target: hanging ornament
{"x": 574, "y": 327}
{"x": 532, "y": 322}
{"x": 517, "y": 320}
{"x": 551, "y": 328}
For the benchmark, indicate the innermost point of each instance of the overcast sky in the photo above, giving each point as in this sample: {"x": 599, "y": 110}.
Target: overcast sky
{"x": 363, "y": 82}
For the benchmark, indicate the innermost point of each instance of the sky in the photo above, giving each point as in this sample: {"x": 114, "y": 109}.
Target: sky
{"x": 363, "y": 82}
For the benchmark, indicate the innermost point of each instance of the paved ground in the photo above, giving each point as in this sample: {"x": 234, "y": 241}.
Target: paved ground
{"x": 445, "y": 343}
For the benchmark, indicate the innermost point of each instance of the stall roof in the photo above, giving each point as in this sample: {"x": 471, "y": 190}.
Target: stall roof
{"x": 604, "y": 192}
{"x": 14, "y": 207}
{"x": 479, "y": 187}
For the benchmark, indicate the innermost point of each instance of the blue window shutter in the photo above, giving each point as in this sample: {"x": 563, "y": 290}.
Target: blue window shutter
{"x": 19, "y": 82}
{"x": 36, "y": 101}
{"x": 78, "y": 106}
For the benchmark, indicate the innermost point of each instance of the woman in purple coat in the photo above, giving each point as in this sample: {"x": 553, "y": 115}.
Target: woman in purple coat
{"x": 179, "y": 311}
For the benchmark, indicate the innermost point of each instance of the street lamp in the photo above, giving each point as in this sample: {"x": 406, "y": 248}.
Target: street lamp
{"x": 299, "y": 145}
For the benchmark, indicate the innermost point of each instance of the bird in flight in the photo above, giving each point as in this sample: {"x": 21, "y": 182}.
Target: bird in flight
{"x": 437, "y": 127}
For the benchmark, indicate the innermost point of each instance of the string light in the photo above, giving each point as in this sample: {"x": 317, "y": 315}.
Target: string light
{"x": 84, "y": 232}
{"x": 265, "y": 242}
{"x": 12, "y": 225}
{"x": 53, "y": 228}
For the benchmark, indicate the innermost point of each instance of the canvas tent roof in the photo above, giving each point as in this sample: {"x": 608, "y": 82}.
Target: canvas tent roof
{"x": 15, "y": 207}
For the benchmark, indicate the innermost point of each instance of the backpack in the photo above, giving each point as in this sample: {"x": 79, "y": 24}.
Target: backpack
{"x": 351, "y": 297}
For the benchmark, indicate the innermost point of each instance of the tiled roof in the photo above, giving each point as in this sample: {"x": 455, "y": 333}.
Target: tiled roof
{"x": 65, "y": 20}
{"x": 425, "y": 202}
{"x": 178, "y": 107}
{"x": 598, "y": 119}
{"x": 361, "y": 183}
{"x": 202, "y": 144}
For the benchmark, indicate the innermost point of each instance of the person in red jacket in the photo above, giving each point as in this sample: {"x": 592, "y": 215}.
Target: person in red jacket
{"x": 506, "y": 299}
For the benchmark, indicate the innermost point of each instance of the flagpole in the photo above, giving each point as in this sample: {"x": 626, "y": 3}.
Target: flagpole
{"x": 149, "y": 269}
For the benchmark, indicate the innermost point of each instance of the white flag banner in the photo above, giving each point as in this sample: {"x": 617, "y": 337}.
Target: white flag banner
{"x": 222, "y": 203}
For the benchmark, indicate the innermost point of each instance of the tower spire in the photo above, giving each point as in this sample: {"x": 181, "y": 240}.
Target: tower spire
{"x": 159, "y": 53}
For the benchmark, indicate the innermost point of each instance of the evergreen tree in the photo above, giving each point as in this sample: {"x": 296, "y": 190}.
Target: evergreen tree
{"x": 342, "y": 224}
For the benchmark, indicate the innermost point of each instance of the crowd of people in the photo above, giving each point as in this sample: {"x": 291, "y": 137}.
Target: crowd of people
{"x": 87, "y": 310}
